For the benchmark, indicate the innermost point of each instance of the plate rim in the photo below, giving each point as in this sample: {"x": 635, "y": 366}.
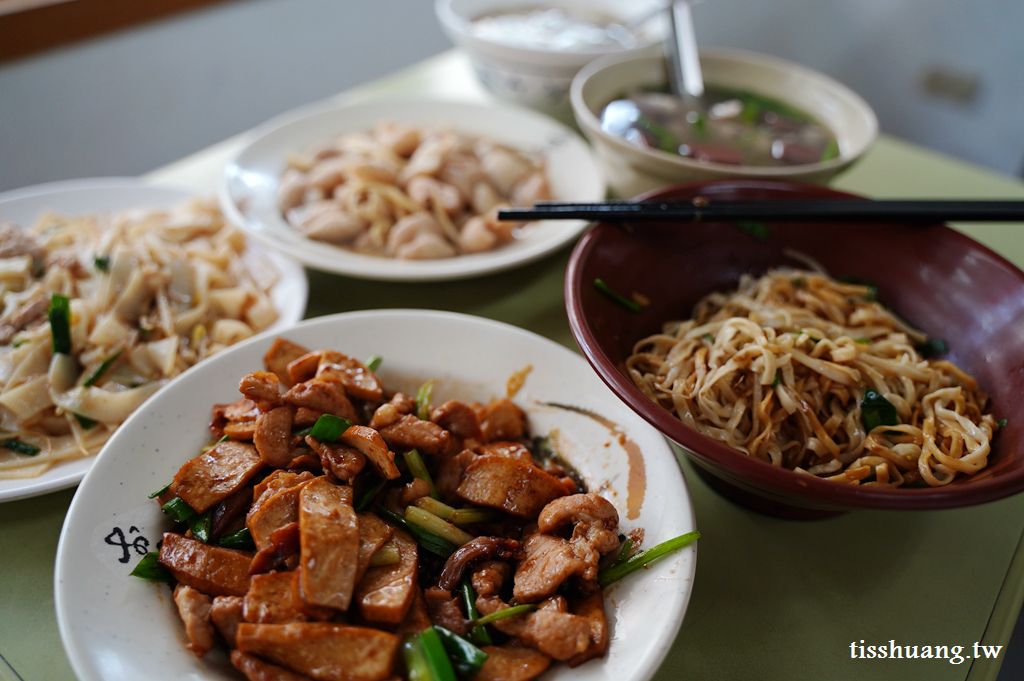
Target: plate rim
{"x": 645, "y": 668}
{"x": 460, "y": 267}
{"x": 70, "y": 473}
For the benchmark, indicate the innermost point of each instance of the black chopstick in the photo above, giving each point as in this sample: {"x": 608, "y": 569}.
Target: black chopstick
{"x": 846, "y": 210}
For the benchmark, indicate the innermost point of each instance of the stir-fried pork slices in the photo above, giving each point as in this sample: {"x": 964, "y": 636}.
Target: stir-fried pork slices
{"x": 322, "y": 565}
{"x": 517, "y": 488}
{"x": 194, "y": 608}
{"x": 512, "y": 662}
{"x": 226, "y": 613}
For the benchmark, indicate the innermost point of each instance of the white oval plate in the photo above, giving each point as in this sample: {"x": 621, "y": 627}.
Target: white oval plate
{"x": 248, "y": 190}
{"x": 121, "y": 628}
{"x": 113, "y": 194}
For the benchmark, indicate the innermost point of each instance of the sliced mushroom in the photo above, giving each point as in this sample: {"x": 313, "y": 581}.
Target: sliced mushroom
{"x": 480, "y": 548}
{"x": 372, "y": 445}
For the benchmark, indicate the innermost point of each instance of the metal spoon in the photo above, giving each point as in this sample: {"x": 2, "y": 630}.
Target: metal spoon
{"x": 685, "y": 76}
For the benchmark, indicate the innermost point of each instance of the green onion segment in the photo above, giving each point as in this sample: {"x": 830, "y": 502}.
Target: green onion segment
{"x": 151, "y": 568}
{"x": 876, "y": 411}
{"x": 423, "y": 400}
{"x": 59, "y": 314}
{"x": 178, "y": 510}
{"x": 328, "y": 428}
{"x": 639, "y": 559}
{"x": 19, "y": 447}
{"x": 419, "y": 470}
{"x": 622, "y": 300}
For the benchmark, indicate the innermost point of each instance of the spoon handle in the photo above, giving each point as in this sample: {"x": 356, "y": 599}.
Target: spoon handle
{"x": 681, "y": 47}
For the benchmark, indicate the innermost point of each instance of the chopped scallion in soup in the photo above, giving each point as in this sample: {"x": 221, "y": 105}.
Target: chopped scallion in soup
{"x": 735, "y": 128}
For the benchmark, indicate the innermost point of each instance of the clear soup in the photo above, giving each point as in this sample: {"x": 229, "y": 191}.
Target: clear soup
{"x": 722, "y": 126}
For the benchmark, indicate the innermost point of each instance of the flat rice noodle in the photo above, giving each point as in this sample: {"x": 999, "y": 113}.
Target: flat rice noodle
{"x": 106, "y": 406}
{"x": 29, "y": 398}
{"x": 323, "y": 651}
{"x": 517, "y": 488}
{"x": 210, "y": 478}
{"x": 329, "y": 540}
{"x": 213, "y": 570}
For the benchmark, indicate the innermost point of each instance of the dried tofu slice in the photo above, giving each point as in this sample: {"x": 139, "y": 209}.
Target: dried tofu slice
{"x": 210, "y": 478}
{"x": 324, "y": 651}
{"x": 274, "y": 512}
{"x": 386, "y": 592}
{"x": 280, "y": 355}
{"x": 272, "y": 599}
{"x": 329, "y": 544}
{"x": 256, "y": 669}
{"x": 373, "y": 534}
{"x": 213, "y": 570}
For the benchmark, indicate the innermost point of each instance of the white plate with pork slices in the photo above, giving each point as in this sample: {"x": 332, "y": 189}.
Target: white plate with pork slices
{"x": 121, "y": 628}
{"x": 112, "y": 195}
{"x": 249, "y": 185}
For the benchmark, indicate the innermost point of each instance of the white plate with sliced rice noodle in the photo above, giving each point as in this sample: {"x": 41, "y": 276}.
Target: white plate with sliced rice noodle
{"x": 156, "y": 280}
{"x": 118, "y": 627}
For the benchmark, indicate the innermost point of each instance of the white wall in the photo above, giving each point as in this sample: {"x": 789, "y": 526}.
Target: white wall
{"x": 883, "y": 48}
{"x": 132, "y": 101}
{"x": 129, "y": 102}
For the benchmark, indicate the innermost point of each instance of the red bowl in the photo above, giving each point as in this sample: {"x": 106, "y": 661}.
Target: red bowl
{"x": 941, "y": 281}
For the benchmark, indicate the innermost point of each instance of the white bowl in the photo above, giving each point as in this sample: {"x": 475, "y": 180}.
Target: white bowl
{"x": 538, "y": 78}
{"x": 631, "y": 170}
{"x": 248, "y": 190}
{"x": 118, "y": 628}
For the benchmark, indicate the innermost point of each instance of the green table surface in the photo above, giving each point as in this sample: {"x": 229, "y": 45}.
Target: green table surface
{"x": 772, "y": 599}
